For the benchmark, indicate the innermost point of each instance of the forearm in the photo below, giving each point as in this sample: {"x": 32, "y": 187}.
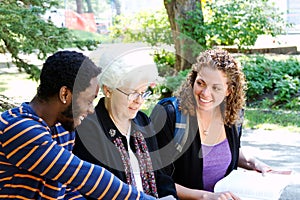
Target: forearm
{"x": 252, "y": 163}
{"x": 191, "y": 194}
{"x": 58, "y": 164}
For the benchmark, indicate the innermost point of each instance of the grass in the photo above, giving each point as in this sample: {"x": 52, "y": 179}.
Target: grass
{"x": 16, "y": 86}
{"x": 256, "y": 118}
{"x": 84, "y": 35}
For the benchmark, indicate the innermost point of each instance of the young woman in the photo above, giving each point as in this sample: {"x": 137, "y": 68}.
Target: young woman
{"x": 211, "y": 99}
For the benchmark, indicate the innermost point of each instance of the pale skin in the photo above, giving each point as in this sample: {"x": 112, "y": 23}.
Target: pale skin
{"x": 210, "y": 89}
{"x": 120, "y": 109}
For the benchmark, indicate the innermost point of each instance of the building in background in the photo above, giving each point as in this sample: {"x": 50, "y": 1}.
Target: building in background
{"x": 291, "y": 12}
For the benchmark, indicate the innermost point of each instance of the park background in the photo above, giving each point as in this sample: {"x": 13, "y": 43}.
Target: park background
{"x": 269, "y": 54}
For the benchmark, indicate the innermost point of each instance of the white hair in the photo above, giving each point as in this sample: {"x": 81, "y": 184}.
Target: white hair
{"x": 129, "y": 69}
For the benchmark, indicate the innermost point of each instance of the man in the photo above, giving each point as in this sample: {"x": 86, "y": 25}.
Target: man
{"x": 37, "y": 138}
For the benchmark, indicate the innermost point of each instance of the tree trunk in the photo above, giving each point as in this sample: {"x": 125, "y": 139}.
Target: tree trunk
{"x": 178, "y": 9}
{"x": 89, "y": 6}
{"x": 79, "y": 6}
{"x": 117, "y": 5}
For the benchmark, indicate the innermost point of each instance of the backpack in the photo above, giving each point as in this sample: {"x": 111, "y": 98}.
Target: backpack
{"x": 182, "y": 123}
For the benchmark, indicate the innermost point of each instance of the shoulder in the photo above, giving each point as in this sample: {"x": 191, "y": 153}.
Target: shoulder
{"x": 141, "y": 118}
{"x": 169, "y": 105}
{"x": 19, "y": 117}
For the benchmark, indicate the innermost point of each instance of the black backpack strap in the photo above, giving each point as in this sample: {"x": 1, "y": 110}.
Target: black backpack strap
{"x": 181, "y": 123}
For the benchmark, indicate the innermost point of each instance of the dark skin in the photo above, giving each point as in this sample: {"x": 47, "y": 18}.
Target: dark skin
{"x": 51, "y": 110}
{"x": 66, "y": 109}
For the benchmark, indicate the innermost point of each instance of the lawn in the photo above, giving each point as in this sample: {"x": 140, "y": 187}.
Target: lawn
{"x": 16, "y": 86}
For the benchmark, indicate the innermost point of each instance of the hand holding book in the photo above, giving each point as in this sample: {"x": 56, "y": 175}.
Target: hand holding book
{"x": 248, "y": 184}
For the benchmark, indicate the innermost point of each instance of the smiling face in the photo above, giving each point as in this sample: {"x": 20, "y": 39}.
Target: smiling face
{"x": 82, "y": 106}
{"x": 210, "y": 88}
{"x": 123, "y": 108}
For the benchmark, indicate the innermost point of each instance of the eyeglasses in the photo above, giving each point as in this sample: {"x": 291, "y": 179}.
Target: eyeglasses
{"x": 135, "y": 95}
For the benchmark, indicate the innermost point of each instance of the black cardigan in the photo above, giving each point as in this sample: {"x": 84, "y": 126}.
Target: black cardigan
{"x": 186, "y": 167}
{"x": 94, "y": 143}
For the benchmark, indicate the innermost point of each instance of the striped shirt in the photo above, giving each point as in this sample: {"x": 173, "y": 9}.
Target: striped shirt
{"x": 36, "y": 163}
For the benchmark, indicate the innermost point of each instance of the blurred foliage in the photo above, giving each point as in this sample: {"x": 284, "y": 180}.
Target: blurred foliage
{"x": 151, "y": 27}
{"x": 24, "y": 32}
{"x": 231, "y": 22}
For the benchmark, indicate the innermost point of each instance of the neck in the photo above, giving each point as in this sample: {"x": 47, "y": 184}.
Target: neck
{"x": 207, "y": 119}
{"x": 45, "y": 110}
{"x": 123, "y": 124}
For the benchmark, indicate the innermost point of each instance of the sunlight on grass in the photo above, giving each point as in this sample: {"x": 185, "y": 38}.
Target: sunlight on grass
{"x": 17, "y": 86}
{"x": 272, "y": 120}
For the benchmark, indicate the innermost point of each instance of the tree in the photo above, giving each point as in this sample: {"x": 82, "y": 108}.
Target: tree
{"x": 178, "y": 13}
{"x": 80, "y": 7}
{"x": 225, "y": 22}
{"x": 23, "y": 31}
{"x": 89, "y": 6}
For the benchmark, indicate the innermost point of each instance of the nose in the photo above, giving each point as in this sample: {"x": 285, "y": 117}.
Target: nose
{"x": 91, "y": 109}
{"x": 206, "y": 91}
{"x": 139, "y": 99}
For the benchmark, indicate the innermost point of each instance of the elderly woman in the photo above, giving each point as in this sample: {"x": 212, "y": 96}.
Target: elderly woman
{"x": 210, "y": 101}
{"x": 120, "y": 137}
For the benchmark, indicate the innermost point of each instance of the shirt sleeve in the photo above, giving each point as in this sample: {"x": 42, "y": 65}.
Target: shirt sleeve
{"x": 29, "y": 145}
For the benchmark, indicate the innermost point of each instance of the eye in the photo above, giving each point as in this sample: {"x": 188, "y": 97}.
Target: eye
{"x": 90, "y": 102}
{"x": 215, "y": 88}
{"x": 200, "y": 82}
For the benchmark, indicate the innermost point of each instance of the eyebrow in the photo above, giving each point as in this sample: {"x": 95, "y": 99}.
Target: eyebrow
{"x": 214, "y": 84}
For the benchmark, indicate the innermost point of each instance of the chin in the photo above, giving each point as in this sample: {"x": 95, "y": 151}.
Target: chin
{"x": 76, "y": 123}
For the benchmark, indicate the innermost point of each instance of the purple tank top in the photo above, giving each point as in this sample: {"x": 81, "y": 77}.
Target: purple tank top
{"x": 216, "y": 159}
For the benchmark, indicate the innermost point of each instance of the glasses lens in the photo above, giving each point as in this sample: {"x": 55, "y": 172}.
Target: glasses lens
{"x": 136, "y": 95}
{"x": 133, "y": 96}
{"x": 145, "y": 95}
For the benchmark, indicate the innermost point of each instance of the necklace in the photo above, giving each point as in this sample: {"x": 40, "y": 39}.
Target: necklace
{"x": 205, "y": 132}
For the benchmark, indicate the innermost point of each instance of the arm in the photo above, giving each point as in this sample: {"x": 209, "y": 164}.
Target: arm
{"x": 29, "y": 145}
{"x": 251, "y": 163}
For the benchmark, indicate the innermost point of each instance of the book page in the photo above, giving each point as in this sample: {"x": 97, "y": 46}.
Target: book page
{"x": 248, "y": 184}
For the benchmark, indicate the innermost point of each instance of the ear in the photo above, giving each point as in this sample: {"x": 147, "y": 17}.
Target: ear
{"x": 106, "y": 91}
{"x": 65, "y": 95}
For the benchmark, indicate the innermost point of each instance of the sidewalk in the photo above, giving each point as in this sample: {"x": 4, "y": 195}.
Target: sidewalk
{"x": 281, "y": 150}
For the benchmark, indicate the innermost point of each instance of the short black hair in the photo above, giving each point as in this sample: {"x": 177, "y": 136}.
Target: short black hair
{"x": 62, "y": 69}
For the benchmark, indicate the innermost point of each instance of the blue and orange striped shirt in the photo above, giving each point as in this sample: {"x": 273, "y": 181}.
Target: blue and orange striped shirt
{"x": 36, "y": 163}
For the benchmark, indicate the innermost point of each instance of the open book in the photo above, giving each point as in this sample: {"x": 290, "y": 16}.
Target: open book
{"x": 250, "y": 185}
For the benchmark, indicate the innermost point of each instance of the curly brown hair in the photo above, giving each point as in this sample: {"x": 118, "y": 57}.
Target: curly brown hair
{"x": 221, "y": 60}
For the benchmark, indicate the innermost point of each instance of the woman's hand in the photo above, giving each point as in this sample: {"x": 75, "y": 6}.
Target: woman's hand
{"x": 260, "y": 166}
{"x": 251, "y": 163}
{"x": 219, "y": 196}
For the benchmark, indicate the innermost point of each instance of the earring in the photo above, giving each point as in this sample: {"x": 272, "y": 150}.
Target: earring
{"x": 64, "y": 101}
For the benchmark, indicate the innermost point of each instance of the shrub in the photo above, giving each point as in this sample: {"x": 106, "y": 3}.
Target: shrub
{"x": 275, "y": 80}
